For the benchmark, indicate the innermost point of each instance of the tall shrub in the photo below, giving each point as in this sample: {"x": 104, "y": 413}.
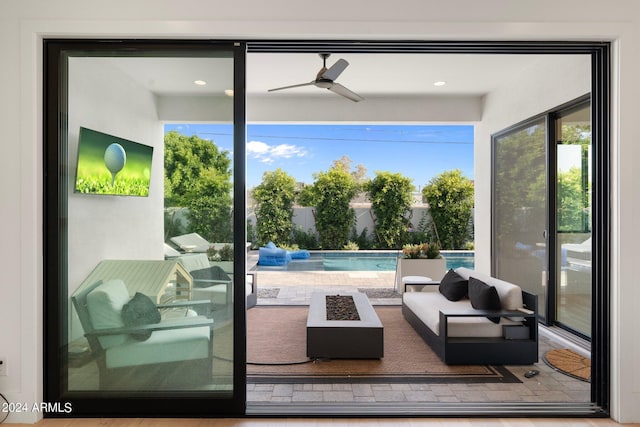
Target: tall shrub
{"x": 390, "y": 195}
{"x": 274, "y": 198}
{"x": 210, "y": 207}
{"x": 450, "y": 199}
{"x": 331, "y": 195}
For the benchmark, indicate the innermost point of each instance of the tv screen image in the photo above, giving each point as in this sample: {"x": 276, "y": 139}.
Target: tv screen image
{"x": 111, "y": 165}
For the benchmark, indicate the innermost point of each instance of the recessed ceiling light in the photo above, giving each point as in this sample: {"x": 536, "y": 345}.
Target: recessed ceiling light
{"x": 228, "y": 92}
{"x": 439, "y": 83}
{"x": 200, "y": 82}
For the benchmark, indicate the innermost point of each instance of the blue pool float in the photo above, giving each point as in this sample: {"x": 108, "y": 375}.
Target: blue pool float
{"x": 271, "y": 255}
{"x": 300, "y": 254}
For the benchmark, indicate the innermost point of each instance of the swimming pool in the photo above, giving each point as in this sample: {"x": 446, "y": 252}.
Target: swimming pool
{"x": 363, "y": 261}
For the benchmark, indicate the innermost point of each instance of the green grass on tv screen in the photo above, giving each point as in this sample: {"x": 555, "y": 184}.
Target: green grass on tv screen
{"x": 94, "y": 177}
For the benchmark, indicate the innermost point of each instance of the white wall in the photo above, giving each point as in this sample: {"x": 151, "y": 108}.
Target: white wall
{"x": 525, "y": 96}
{"x": 24, "y": 22}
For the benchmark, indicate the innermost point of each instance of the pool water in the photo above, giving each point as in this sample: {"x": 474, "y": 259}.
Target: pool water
{"x": 364, "y": 261}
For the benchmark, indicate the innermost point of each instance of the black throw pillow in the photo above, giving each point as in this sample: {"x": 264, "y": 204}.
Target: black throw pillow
{"x": 140, "y": 310}
{"x": 453, "y": 286}
{"x": 484, "y": 297}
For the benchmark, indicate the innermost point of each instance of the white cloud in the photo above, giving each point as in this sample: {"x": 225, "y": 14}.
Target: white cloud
{"x": 257, "y": 148}
{"x": 266, "y": 153}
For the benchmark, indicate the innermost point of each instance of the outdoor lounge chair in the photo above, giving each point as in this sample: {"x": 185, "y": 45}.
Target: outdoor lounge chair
{"x": 212, "y": 283}
{"x": 578, "y": 271}
{"x": 192, "y": 242}
{"x": 149, "y": 354}
{"x": 579, "y": 251}
{"x": 170, "y": 252}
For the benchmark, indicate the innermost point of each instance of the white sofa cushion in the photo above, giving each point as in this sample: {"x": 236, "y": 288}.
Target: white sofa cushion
{"x": 427, "y": 306}
{"x": 510, "y": 294}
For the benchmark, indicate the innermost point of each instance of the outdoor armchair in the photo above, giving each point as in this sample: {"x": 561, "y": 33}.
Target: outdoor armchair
{"x": 142, "y": 353}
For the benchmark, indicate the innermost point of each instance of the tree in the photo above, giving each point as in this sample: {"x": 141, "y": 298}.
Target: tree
{"x": 450, "y": 198}
{"x": 198, "y": 177}
{"x": 331, "y": 195}
{"x": 520, "y": 190}
{"x": 574, "y": 186}
{"x": 570, "y": 204}
{"x": 274, "y": 198}
{"x": 390, "y": 195}
{"x": 185, "y": 160}
{"x": 344, "y": 164}
{"x": 209, "y": 203}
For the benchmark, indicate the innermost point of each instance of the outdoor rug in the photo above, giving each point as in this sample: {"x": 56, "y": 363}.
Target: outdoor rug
{"x": 569, "y": 363}
{"x": 276, "y": 353}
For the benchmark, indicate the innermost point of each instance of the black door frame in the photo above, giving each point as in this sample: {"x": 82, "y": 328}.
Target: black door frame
{"x": 54, "y": 209}
{"x": 600, "y": 54}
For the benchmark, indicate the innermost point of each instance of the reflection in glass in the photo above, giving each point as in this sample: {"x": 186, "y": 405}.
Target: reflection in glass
{"x": 573, "y": 188}
{"x": 520, "y": 209}
{"x": 150, "y": 279}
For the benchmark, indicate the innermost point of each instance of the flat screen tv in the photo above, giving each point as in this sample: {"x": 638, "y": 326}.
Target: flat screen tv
{"x": 111, "y": 165}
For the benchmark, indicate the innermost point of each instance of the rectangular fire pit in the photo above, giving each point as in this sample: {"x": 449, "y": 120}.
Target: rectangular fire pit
{"x": 343, "y": 339}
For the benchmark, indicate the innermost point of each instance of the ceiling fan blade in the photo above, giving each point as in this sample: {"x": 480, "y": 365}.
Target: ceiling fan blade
{"x": 341, "y": 90}
{"x": 335, "y": 70}
{"x": 292, "y": 86}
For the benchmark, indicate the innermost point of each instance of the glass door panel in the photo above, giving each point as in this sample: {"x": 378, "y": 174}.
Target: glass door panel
{"x": 519, "y": 208}
{"x": 573, "y": 192}
{"x": 146, "y": 312}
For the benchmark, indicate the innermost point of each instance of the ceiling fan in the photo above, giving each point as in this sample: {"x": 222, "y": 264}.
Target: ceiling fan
{"x": 325, "y": 79}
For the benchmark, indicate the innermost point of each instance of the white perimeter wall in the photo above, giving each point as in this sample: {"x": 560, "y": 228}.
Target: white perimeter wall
{"x": 23, "y": 23}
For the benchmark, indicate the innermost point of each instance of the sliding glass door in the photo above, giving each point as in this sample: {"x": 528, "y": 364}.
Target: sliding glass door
{"x": 542, "y": 180}
{"x": 136, "y": 323}
{"x": 573, "y": 221}
{"x": 520, "y": 208}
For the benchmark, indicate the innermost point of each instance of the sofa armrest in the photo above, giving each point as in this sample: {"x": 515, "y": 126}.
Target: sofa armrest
{"x": 484, "y": 313}
{"x": 188, "y": 303}
{"x": 446, "y": 314}
{"x": 422, "y": 285}
{"x": 195, "y": 322}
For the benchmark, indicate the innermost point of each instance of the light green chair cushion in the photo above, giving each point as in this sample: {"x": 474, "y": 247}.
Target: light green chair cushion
{"x": 194, "y": 261}
{"x": 163, "y": 346}
{"x": 105, "y": 304}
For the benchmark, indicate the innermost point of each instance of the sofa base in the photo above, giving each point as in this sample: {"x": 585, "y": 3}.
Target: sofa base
{"x": 477, "y": 351}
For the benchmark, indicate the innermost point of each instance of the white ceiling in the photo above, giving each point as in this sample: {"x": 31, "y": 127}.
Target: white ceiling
{"x": 388, "y": 74}
{"x": 372, "y": 75}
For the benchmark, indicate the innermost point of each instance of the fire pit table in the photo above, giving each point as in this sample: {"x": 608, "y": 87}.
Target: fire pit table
{"x": 360, "y": 337}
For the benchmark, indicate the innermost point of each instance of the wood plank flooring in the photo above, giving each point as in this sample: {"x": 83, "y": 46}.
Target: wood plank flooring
{"x": 327, "y": 422}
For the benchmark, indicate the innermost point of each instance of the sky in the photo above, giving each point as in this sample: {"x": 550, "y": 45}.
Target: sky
{"x": 418, "y": 152}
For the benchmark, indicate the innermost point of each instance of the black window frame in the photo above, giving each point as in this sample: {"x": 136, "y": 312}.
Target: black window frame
{"x": 55, "y": 292}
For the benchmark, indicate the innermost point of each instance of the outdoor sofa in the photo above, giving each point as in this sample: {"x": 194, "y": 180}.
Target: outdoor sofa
{"x": 500, "y": 332}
